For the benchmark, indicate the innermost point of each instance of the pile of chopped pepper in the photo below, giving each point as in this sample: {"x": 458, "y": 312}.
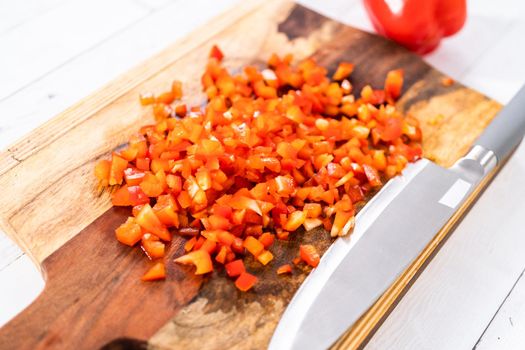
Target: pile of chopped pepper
{"x": 272, "y": 151}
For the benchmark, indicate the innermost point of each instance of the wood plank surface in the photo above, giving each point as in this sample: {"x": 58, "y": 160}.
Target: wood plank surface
{"x": 40, "y": 210}
{"x": 507, "y": 329}
{"x": 66, "y": 25}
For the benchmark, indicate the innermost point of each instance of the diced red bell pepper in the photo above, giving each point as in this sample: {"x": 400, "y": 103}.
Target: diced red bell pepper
{"x": 153, "y": 248}
{"x": 310, "y": 224}
{"x": 137, "y": 196}
{"x": 181, "y": 110}
{"x": 216, "y": 53}
{"x": 309, "y": 255}
{"x": 142, "y": 163}
{"x": 129, "y": 153}
{"x": 151, "y": 185}
{"x": 102, "y": 170}
{"x": 147, "y": 99}
{"x": 253, "y": 245}
{"x": 343, "y": 223}
{"x": 174, "y": 182}
{"x": 235, "y": 268}
{"x": 166, "y": 210}
{"x": 312, "y": 210}
{"x": 221, "y": 255}
{"x": 394, "y": 83}
{"x": 184, "y": 199}
{"x": 391, "y": 130}
{"x": 286, "y": 268}
{"x": 129, "y": 196}
{"x": 245, "y": 281}
{"x": 372, "y": 175}
{"x": 218, "y": 222}
{"x": 238, "y": 245}
{"x": 225, "y": 238}
{"x": 176, "y": 89}
{"x": 267, "y": 239}
{"x": 147, "y": 219}
{"x": 209, "y": 245}
{"x": 295, "y": 220}
{"x": 242, "y": 202}
{"x": 116, "y": 172}
{"x": 133, "y": 176}
{"x": 188, "y": 246}
{"x": 121, "y": 197}
{"x": 200, "y": 259}
{"x": 343, "y": 71}
{"x": 223, "y": 210}
{"x": 265, "y": 257}
{"x": 156, "y": 272}
{"x": 158, "y": 164}
{"x": 285, "y": 185}
{"x": 129, "y": 232}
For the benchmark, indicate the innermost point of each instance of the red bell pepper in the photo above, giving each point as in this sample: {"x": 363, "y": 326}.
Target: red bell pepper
{"x": 309, "y": 255}
{"x": 418, "y": 25}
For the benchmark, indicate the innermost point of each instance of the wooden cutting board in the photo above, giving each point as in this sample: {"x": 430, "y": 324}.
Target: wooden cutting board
{"x": 93, "y": 295}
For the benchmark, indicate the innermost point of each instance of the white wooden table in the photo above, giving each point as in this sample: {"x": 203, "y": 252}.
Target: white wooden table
{"x": 54, "y": 52}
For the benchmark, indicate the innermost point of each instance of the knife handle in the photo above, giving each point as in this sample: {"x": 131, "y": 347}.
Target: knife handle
{"x": 505, "y": 132}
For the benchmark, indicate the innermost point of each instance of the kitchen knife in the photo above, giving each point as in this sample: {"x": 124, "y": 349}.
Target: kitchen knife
{"x": 390, "y": 232}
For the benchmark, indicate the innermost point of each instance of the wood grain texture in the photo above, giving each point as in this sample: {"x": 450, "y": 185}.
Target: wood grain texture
{"x": 499, "y": 334}
{"x": 48, "y": 45}
{"x": 95, "y": 275}
{"x": 93, "y": 294}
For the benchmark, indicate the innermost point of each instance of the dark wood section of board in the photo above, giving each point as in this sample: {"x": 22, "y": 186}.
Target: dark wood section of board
{"x": 94, "y": 297}
{"x": 93, "y": 294}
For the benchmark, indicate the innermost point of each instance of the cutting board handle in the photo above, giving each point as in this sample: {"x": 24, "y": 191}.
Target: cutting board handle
{"x": 94, "y": 297}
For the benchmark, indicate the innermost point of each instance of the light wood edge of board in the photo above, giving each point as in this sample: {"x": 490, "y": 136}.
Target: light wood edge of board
{"x": 359, "y": 333}
{"x": 8, "y": 229}
{"x": 32, "y": 143}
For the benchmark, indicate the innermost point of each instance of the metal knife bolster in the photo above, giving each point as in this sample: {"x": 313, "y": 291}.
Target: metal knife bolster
{"x": 476, "y": 164}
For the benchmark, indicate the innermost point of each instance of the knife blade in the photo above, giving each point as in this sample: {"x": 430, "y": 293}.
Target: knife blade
{"x": 390, "y": 232}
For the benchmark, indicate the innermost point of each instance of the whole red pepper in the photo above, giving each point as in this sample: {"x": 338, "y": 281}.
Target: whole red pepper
{"x": 419, "y": 25}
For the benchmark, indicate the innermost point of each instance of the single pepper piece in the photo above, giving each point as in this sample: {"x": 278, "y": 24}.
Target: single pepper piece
{"x": 200, "y": 259}
{"x": 245, "y": 281}
{"x": 417, "y": 25}
{"x": 235, "y": 268}
{"x": 284, "y": 269}
{"x": 156, "y": 272}
{"x": 309, "y": 255}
